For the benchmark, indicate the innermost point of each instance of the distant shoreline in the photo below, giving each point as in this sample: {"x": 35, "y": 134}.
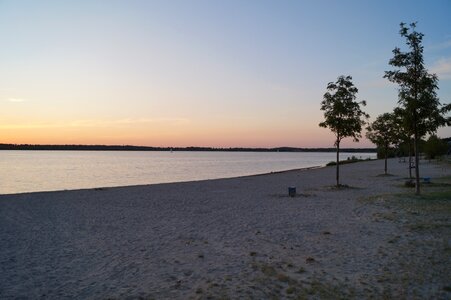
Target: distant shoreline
{"x": 148, "y": 148}
{"x": 29, "y": 171}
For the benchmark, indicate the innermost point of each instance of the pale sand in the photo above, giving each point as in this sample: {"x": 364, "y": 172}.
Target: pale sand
{"x": 231, "y": 238}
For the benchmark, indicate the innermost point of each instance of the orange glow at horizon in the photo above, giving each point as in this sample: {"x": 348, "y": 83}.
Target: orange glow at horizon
{"x": 198, "y": 73}
{"x": 172, "y": 133}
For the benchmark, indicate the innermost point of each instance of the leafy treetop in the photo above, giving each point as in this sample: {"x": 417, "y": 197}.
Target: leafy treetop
{"x": 342, "y": 112}
{"x": 384, "y": 131}
{"x": 418, "y": 100}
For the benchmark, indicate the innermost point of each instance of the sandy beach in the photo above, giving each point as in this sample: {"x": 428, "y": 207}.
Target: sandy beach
{"x": 233, "y": 238}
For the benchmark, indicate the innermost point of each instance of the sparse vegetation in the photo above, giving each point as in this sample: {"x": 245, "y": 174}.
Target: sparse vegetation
{"x": 268, "y": 270}
{"x": 349, "y": 160}
{"x": 301, "y": 270}
{"x": 428, "y": 218}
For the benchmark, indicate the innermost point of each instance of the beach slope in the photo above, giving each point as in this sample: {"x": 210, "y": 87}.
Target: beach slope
{"x": 230, "y": 238}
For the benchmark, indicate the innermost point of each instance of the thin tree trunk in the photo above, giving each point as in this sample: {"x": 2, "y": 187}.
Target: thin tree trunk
{"x": 386, "y": 150}
{"x": 417, "y": 161}
{"x": 416, "y": 137}
{"x": 338, "y": 164}
{"x": 410, "y": 158}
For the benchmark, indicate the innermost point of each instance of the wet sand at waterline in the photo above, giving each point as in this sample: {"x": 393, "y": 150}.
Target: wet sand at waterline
{"x": 233, "y": 238}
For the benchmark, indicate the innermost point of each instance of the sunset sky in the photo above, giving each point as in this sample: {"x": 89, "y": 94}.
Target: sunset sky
{"x": 201, "y": 73}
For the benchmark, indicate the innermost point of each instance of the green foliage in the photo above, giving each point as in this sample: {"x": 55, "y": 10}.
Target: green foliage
{"x": 350, "y": 160}
{"x": 403, "y": 122}
{"x": 342, "y": 113}
{"x": 420, "y": 109}
{"x": 390, "y": 153}
{"x": 435, "y": 147}
{"x": 403, "y": 147}
{"x": 384, "y": 131}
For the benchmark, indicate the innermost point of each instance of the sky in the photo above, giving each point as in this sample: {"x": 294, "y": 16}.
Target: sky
{"x": 202, "y": 72}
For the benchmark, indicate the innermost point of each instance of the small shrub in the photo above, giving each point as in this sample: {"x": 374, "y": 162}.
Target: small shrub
{"x": 290, "y": 290}
{"x": 268, "y": 270}
{"x": 301, "y": 270}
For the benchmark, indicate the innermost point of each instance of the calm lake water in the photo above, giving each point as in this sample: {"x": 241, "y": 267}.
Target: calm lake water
{"x": 31, "y": 171}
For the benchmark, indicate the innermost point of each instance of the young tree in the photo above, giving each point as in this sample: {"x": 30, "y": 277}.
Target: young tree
{"x": 342, "y": 113}
{"x": 417, "y": 91}
{"x": 384, "y": 132}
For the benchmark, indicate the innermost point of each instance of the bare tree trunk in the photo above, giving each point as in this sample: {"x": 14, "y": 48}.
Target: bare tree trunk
{"x": 416, "y": 138}
{"x": 417, "y": 161}
{"x": 410, "y": 158}
{"x": 386, "y": 150}
{"x": 338, "y": 164}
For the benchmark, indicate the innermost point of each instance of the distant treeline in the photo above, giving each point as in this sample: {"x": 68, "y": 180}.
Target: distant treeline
{"x": 146, "y": 148}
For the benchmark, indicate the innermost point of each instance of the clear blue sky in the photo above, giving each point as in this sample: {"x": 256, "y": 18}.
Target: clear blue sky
{"x": 202, "y": 73}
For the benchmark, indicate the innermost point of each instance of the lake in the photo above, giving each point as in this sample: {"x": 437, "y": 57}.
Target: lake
{"x": 32, "y": 171}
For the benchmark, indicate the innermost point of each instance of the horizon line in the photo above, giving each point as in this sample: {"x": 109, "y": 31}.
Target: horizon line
{"x": 125, "y": 147}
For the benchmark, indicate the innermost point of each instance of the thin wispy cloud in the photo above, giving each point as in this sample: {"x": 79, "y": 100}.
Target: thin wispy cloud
{"x": 15, "y": 100}
{"x": 442, "y": 68}
{"x": 127, "y": 122}
{"x": 119, "y": 123}
{"x": 439, "y": 46}
{"x": 29, "y": 125}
